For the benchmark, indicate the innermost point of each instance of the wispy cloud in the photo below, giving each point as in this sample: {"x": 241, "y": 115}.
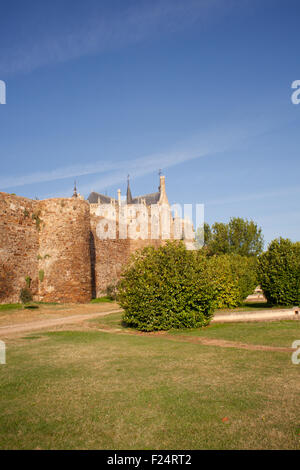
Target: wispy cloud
{"x": 205, "y": 144}
{"x": 104, "y": 31}
{"x": 112, "y": 173}
{"x": 201, "y": 145}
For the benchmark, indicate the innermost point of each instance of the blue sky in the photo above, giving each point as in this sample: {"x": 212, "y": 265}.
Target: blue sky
{"x": 199, "y": 88}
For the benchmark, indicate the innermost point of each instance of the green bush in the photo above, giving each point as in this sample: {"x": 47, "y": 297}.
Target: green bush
{"x": 165, "y": 288}
{"x": 112, "y": 291}
{"x": 233, "y": 276}
{"x": 279, "y": 272}
{"x": 25, "y": 295}
{"x": 243, "y": 269}
{"x": 225, "y": 286}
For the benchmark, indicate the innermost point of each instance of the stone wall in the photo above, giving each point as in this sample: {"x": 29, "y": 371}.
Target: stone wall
{"x": 109, "y": 256}
{"x": 54, "y": 244}
{"x": 64, "y": 251}
{"x": 107, "y": 259}
{"x": 19, "y": 241}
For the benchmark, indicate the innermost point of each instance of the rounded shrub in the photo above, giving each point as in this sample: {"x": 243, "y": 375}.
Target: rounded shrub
{"x": 233, "y": 276}
{"x": 25, "y": 295}
{"x": 244, "y": 273}
{"x": 279, "y": 272}
{"x": 165, "y": 288}
{"x": 225, "y": 286}
{"x": 112, "y": 291}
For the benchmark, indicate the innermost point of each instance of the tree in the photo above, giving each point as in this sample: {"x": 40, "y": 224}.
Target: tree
{"x": 203, "y": 236}
{"x": 25, "y": 295}
{"x": 279, "y": 272}
{"x": 239, "y": 236}
{"x": 219, "y": 242}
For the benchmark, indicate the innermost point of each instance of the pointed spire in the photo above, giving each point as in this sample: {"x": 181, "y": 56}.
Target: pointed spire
{"x": 129, "y": 195}
{"x": 159, "y": 174}
{"x": 75, "y": 190}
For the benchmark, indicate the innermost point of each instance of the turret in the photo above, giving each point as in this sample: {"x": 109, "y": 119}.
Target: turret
{"x": 163, "y": 199}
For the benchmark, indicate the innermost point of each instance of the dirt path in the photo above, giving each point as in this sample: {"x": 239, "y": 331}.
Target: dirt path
{"x": 258, "y": 315}
{"x": 16, "y": 329}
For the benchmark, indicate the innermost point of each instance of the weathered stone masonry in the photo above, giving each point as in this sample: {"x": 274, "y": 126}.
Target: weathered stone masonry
{"x": 109, "y": 256}
{"x": 64, "y": 251}
{"x": 19, "y": 244}
{"x": 48, "y": 242}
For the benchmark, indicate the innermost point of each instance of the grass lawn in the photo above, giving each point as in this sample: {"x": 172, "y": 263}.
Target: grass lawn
{"x": 100, "y": 300}
{"x": 17, "y": 314}
{"x": 4, "y": 307}
{"x": 91, "y": 389}
{"x": 273, "y": 333}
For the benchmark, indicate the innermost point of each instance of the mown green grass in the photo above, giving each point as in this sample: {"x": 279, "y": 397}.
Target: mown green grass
{"x": 273, "y": 333}
{"x": 101, "y": 300}
{"x": 73, "y": 389}
{"x": 4, "y": 307}
{"x": 111, "y": 321}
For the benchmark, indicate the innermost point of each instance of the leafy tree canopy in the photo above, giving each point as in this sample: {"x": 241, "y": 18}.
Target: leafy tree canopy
{"x": 279, "y": 272}
{"x": 239, "y": 236}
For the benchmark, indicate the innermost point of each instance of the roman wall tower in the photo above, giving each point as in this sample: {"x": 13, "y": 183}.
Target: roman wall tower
{"x": 19, "y": 242}
{"x": 64, "y": 251}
